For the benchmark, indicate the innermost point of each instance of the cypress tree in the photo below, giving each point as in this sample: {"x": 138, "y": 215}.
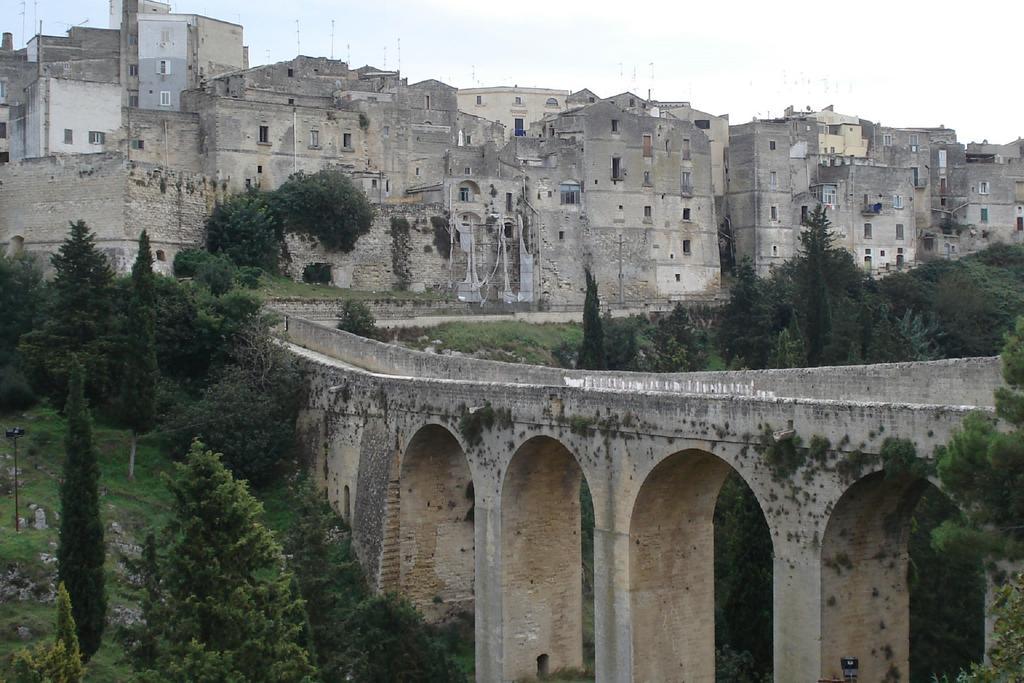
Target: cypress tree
{"x": 138, "y": 389}
{"x": 60, "y": 662}
{"x": 78, "y": 321}
{"x": 813, "y": 286}
{"x": 592, "y": 355}
{"x": 80, "y": 553}
{"x": 224, "y": 608}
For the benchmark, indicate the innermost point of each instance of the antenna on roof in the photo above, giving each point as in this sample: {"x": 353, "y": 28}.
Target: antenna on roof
{"x": 399, "y": 54}
{"x": 298, "y": 42}
{"x": 332, "y": 38}
{"x": 348, "y": 54}
{"x": 385, "y": 57}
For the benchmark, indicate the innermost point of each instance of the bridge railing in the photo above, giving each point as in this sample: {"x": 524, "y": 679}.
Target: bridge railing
{"x": 959, "y": 381}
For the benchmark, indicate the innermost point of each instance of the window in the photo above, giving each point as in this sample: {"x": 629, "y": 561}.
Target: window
{"x": 984, "y": 214}
{"x": 686, "y": 182}
{"x": 69, "y": 136}
{"x": 774, "y": 212}
{"x": 479, "y": 99}
{"x": 469, "y": 139}
{"x": 771, "y": 144}
{"x": 163, "y": 67}
{"x": 165, "y": 98}
{"x": 899, "y": 257}
{"x": 291, "y": 73}
{"x": 686, "y": 214}
{"x": 867, "y": 258}
{"x": 647, "y": 178}
{"x": 264, "y": 135}
{"x": 569, "y": 193}
{"x": 914, "y": 142}
{"x": 647, "y": 213}
{"x": 373, "y": 183}
{"x": 915, "y": 173}
{"x": 773, "y": 180}
{"x": 867, "y": 231}
{"x": 97, "y": 137}
{"x": 648, "y": 146}
{"x": 1020, "y": 223}
{"x": 897, "y": 201}
{"x": 346, "y": 140}
{"x": 686, "y": 148}
{"x": 463, "y": 194}
{"x": 160, "y": 256}
{"x": 561, "y": 234}
{"x": 887, "y": 139}
{"x": 133, "y": 99}
{"x": 686, "y": 246}
{"x": 678, "y": 278}
{"x": 133, "y": 69}
{"x": 519, "y": 100}
{"x": 467, "y": 170}
{"x": 3, "y": 130}
{"x": 417, "y": 170}
{"x": 259, "y": 169}
{"x": 703, "y": 124}
{"x": 133, "y": 39}
{"x": 520, "y": 127}
{"x": 803, "y": 214}
{"x": 386, "y": 132}
{"x": 983, "y": 187}
{"x": 942, "y": 158}
{"x": 552, "y": 102}
{"x": 899, "y": 231}
{"x": 291, "y": 100}
{"x": 508, "y": 202}
{"x": 616, "y": 168}
{"x": 314, "y": 138}
{"x": 426, "y": 101}
{"x": 165, "y": 35}
{"x": 615, "y": 125}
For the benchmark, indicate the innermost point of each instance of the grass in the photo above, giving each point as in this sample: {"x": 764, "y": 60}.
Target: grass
{"x": 505, "y": 340}
{"x": 138, "y": 506}
{"x": 278, "y": 287}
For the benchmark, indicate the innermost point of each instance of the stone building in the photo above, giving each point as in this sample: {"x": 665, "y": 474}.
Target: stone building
{"x": 515, "y": 108}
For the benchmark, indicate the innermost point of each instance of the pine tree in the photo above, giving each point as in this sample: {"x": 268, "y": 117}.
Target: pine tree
{"x": 138, "y": 389}
{"x": 81, "y": 552}
{"x": 592, "y": 355}
{"x": 79, "y": 320}
{"x": 225, "y": 609}
{"x": 60, "y": 662}
{"x": 813, "y": 287}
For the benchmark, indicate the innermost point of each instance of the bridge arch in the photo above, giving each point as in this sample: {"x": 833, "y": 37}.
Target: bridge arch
{"x": 672, "y": 567}
{"x": 435, "y": 535}
{"x": 865, "y": 598}
{"x": 541, "y": 560}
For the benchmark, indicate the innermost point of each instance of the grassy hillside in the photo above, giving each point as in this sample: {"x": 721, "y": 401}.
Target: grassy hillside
{"x": 507, "y": 340}
{"x": 130, "y": 510}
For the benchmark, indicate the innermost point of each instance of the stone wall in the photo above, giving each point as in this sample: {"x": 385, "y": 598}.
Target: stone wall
{"x": 115, "y": 198}
{"x": 381, "y": 260}
{"x": 971, "y": 380}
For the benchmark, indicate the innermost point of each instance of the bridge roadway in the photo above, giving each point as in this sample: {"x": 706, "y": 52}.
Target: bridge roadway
{"x": 461, "y": 479}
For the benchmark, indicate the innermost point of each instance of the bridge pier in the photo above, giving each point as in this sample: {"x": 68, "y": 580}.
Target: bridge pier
{"x": 796, "y": 612}
{"x": 488, "y": 590}
{"x": 613, "y": 628}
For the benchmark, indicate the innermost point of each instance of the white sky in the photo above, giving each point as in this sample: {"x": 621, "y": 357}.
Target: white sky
{"x": 897, "y": 62}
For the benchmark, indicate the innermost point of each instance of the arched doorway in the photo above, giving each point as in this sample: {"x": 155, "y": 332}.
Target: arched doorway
{"x": 672, "y": 568}
{"x": 436, "y": 541}
{"x": 541, "y": 557}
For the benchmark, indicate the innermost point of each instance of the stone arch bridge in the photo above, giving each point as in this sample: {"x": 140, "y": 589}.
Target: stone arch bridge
{"x": 461, "y": 479}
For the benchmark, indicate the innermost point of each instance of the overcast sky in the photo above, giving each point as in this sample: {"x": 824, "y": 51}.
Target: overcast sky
{"x": 898, "y": 62}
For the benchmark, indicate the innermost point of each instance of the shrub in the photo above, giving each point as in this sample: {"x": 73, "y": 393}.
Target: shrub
{"x": 243, "y": 228}
{"x": 217, "y": 274}
{"x": 249, "y": 276}
{"x": 356, "y": 317}
{"x": 187, "y": 261}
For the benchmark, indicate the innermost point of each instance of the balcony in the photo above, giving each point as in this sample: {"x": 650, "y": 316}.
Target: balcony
{"x": 920, "y": 182}
{"x": 871, "y": 209}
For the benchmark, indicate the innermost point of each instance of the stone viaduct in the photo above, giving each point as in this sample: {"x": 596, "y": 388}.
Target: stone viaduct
{"x": 461, "y": 479}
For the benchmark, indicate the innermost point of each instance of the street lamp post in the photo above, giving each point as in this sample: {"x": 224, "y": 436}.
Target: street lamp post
{"x": 15, "y": 433}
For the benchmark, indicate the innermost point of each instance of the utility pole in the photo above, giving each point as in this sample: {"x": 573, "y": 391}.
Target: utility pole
{"x": 14, "y": 434}
{"x": 621, "y": 298}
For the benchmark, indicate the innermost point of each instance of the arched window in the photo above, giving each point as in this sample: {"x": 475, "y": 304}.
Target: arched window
{"x": 16, "y": 245}
{"x": 468, "y": 191}
{"x": 552, "y": 102}
{"x": 160, "y": 256}
{"x": 569, "y": 192}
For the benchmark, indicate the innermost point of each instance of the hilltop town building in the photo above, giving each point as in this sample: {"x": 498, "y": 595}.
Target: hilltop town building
{"x": 515, "y": 108}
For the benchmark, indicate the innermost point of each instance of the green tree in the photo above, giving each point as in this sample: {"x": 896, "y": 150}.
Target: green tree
{"x": 788, "y": 350}
{"x": 79, "y": 320}
{"x": 248, "y": 411}
{"x": 22, "y": 297}
{"x": 1007, "y": 652}
{"x": 389, "y": 644}
{"x": 745, "y": 333}
{"x": 982, "y": 468}
{"x": 592, "y": 354}
{"x": 813, "y": 284}
{"x": 60, "y": 662}
{"x": 325, "y": 205}
{"x": 244, "y": 229}
{"x": 224, "y": 610}
{"x": 80, "y": 551}
{"x": 138, "y": 388}
{"x": 357, "y": 318}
